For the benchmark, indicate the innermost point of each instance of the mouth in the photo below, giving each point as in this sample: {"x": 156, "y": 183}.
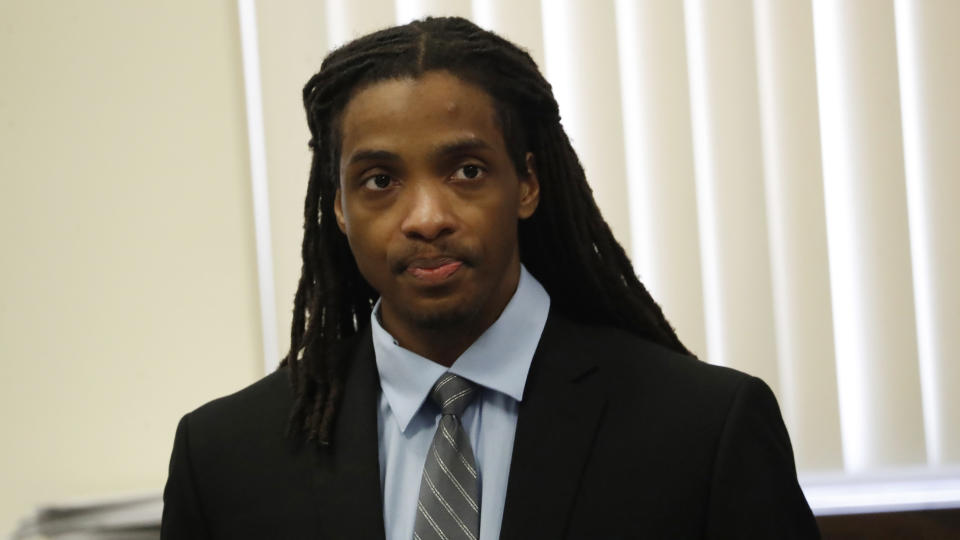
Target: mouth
{"x": 433, "y": 271}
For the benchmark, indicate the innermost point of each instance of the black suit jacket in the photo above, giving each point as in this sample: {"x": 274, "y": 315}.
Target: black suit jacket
{"x": 616, "y": 438}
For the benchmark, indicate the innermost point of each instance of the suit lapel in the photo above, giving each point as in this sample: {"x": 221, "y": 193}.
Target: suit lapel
{"x": 347, "y": 475}
{"x": 562, "y": 405}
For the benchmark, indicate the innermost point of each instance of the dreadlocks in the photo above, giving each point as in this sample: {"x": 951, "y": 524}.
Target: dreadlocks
{"x": 566, "y": 244}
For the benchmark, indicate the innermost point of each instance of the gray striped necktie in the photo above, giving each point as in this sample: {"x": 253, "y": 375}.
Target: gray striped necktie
{"x": 449, "y": 504}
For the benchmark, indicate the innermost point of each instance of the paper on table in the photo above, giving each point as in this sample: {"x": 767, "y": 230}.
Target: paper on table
{"x": 132, "y": 516}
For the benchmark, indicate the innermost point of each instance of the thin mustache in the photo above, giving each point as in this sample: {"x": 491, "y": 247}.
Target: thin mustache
{"x": 417, "y": 255}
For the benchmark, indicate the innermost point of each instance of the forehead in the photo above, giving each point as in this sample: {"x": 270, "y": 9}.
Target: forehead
{"x": 427, "y": 108}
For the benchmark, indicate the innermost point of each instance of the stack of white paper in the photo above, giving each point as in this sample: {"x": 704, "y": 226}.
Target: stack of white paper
{"x": 130, "y": 517}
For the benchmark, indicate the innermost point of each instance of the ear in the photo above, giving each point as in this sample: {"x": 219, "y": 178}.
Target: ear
{"x": 529, "y": 189}
{"x": 338, "y": 211}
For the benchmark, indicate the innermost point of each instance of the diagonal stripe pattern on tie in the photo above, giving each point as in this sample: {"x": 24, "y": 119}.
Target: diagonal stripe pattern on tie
{"x": 449, "y": 504}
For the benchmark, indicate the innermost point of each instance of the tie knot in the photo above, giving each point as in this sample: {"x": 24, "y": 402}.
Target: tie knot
{"x": 452, "y": 393}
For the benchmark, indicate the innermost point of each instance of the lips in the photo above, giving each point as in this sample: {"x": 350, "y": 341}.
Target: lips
{"x": 431, "y": 271}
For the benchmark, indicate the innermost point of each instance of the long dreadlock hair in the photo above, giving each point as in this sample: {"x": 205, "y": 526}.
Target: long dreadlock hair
{"x": 566, "y": 244}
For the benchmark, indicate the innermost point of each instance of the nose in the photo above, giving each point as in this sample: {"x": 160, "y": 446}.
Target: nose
{"x": 429, "y": 214}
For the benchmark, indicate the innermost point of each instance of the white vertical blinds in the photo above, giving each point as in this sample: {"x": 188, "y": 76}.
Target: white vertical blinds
{"x": 750, "y": 154}
{"x": 519, "y": 22}
{"x": 408, "y": 10}
{"x": 730, "y": 195}
{"x": 590, "y": 104}
{"x": 347, "y": 19}
{"x": 928, "y": 44}
{"x": 868, "y": 240}
{"x": 659, "y": 150}
{"x": 787, "y": 80}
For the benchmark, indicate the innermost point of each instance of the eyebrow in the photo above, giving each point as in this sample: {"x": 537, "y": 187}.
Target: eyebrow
{"x": 453, "y": 147}
{"x": 460, "y": 146}
{"x": 372, "y": 155}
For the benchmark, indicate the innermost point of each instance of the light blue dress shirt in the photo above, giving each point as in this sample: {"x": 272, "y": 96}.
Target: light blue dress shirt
{"x": 498, "y": 361}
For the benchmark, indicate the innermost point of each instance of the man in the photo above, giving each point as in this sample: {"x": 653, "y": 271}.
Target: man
{"x": 472, "y": 355}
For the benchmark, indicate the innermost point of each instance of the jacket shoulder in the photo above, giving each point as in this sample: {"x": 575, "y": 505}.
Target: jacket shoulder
{"x": 708, "y": 441}
{"x": 260, "y": 409}
{"x": 629, "y": 360}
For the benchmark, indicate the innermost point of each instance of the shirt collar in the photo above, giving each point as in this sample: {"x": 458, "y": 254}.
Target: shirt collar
{"x": 499, "y": 359}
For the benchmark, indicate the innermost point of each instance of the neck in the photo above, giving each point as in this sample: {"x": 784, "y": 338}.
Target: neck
{"x": 438, "y": 345}
{"x": 443, "y": 343}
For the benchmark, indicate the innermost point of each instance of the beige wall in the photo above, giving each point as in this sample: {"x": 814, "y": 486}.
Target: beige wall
{"x": 128, "y": 279}
{"x": 292, "y": 39}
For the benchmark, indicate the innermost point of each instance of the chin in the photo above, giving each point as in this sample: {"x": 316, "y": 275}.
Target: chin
{"x": 447, "y": 316}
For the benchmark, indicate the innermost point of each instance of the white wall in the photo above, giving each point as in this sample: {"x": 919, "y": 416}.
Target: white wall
{"x": 127, "y": 282}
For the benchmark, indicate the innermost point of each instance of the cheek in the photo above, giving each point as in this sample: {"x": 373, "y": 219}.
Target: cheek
{"x": 370, "y": 237}
{"x": 498, "y": 227}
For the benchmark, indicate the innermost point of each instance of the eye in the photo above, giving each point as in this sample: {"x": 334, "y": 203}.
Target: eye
{"x": 469, "y": 172}
{"x": 378, "y": 182}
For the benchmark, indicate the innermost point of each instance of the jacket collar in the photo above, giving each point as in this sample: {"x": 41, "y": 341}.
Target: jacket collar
{"x": 558, "y": 418}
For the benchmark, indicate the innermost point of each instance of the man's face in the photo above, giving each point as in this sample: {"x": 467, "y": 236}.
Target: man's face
{"x": 429, "y": 200}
